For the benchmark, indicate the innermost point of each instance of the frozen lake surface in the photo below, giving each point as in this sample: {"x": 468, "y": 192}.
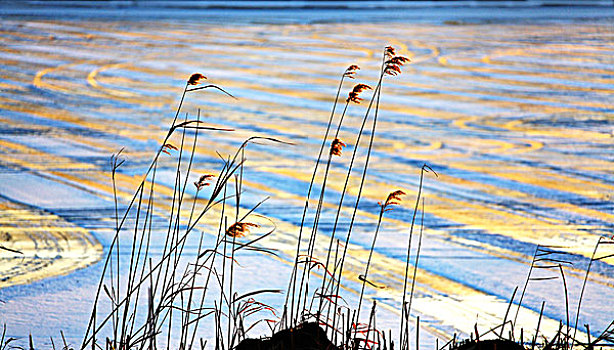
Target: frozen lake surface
{"x": 512, "y": 107}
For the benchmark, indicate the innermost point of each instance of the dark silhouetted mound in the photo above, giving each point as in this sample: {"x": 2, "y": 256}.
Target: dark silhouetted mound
{"x": 303, "y": 337}
{"x": 494, "y": 344}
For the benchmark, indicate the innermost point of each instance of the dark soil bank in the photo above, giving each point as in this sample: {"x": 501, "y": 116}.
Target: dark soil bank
{"x": 303, "y": 337}
{"x": 311, "y": 336}
{"x": 494, "y": 344}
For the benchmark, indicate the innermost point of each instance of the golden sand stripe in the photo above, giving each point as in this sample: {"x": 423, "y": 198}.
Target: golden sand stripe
{"x": 555, "y": 186}
{"x": 507, "y": 146}
{"x": 117, "y": 127}
{"x": 530, "y": 175}
{"x": 509, "y": 70}
{"x": 492, "y": 224}
{"x": 92, "y": 82}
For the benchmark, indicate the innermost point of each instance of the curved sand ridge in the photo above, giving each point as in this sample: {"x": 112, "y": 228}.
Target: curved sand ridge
{"x": 39, "y": 244}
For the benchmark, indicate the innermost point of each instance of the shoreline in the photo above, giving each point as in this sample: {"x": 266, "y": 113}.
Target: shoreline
{"x": 241, "y": 13}
{"x": 49, "y": 245}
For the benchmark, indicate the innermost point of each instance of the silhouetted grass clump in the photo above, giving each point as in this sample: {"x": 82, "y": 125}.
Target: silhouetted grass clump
{"x": 161, "y": 300}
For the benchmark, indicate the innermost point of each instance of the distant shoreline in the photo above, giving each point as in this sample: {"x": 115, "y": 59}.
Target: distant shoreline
{"x": 313, "y": 4}
{"x": 310, "y": 12}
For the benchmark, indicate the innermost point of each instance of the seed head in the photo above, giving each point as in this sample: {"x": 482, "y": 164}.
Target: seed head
{"x": 337, "y": 147}
{"x": 398, "y": 60}
{"x": 196, "y": 78}
{"x": 394, "y": 198}
{"x": 353, "y": 95}
{"x": 203, "y": 181}
{"x": 350, "y": 71}
{"x": 389, "y": 51}
{"x": 393, "y": 65}
{"x": 168, "y": 147}
{"x": 240, "y": 229}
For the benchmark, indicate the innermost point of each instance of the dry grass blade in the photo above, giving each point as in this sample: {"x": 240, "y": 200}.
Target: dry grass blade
{"x": 331, "y": 297}
{"x": 188, "y": 125}
{"x": 264, "y": 138}
{"x": 313, "y": 263}
{"x": 261, "y": 291}
{"x": 10, "y": 250}
{"x": 211, "y": 86}
{"x": 603, "y": 257}
{"x": 372, "y": 284}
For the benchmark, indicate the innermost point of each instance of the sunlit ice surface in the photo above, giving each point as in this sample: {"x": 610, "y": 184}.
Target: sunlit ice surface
{"x": 511, "y": 107}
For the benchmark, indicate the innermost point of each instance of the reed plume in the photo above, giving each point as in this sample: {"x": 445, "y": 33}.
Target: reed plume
{"x": 351, "y": 71}
{"x": 353, "y": 95}
{"x": 389, "y": 51}
{"x": 337, "y": 147}
{"x": 240, "y": 229}
{"x": 394, "y": 198}
{"x": 196, "y": 78}
{"x": 203, "y": 181}
{"x": 168, "y": 147}
{"x": 394, "y": 64}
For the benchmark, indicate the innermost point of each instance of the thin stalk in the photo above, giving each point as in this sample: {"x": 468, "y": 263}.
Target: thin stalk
{"x": 371, "y": 324}
{"x": 148, "y": 217}
{"x": 292, "y": 282}
{"x": 566, "y": 307}
{"x": 541, "y": 313}
{"x": 124, "y": 321}
{"x": 232, "y": 265}
{"x": 220, "y": 235}
{"x": 509, "y": 306}
{"x": 411, "y": 233}
{"x": 115, "y": 166}
{"x": 189, "y": 306}
{"x": 366, "y": 275}
{"x": 526, "y": 283}
{"x": 91, "y": 324}
{"x": 146, "y": 229}
{"x": 316, "y": 219}
{"x": 417, "y": 333}
{"x": 347, "y": 178}
{"x": 413, "y": 279}
{"x": 588, "y": 270}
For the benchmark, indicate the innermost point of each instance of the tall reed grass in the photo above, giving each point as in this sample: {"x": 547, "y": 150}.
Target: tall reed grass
{"x": 153, "y": 300}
